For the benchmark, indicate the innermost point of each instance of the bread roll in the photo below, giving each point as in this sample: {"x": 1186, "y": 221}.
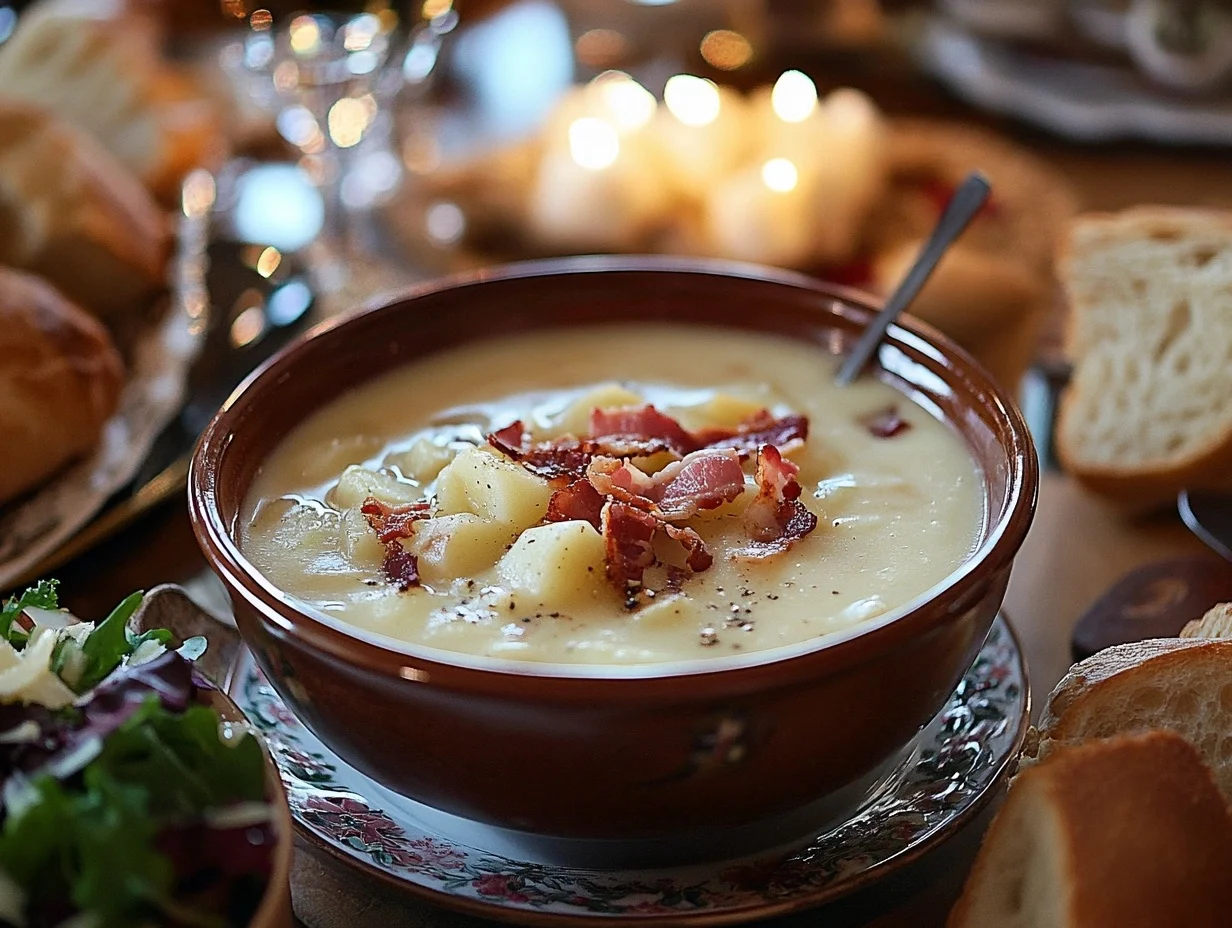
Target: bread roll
{"x": 1217, "y": 623}
{"x": 73, "y": 215}
{"x": 1149, "y": 411}
{"x": 1181, "y": 684}
{"x": 1125, "y": 833}
{"x": 99, "y": 66}
{"x": 60, "y": 380}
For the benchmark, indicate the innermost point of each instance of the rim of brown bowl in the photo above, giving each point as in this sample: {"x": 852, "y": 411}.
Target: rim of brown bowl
{"x": 397, "y": 660}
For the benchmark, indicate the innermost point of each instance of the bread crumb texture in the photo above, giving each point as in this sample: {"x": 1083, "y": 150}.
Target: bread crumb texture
{"x": 1129, "y": 832}
{"x": 1150, "y": 292}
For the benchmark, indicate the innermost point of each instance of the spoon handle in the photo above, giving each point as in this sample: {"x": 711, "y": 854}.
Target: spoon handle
{"x": 966, "y": 202}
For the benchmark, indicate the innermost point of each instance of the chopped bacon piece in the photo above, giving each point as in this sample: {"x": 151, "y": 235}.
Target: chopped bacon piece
{"x": 623, "y": 481}
{"x": 641, "y": 423}
{"x": 760, "y": 429}
{"x": 628, "y": 535}
{"x": 702, "y": 480}
{"x": 578, "y": 501}
{"x": 566, "y": 457}
{"x": 510, "y": 440}
{"x": 885, "y": 423}
{"x": 776, "y": 518}
{"x": 647, "y": 423}
{"x": 392, "y": 524}
{"x": 698, "y": 556}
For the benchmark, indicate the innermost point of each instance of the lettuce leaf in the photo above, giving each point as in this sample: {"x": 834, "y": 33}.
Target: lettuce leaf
{"x": 98, "y": 836}
{"x": 41, "y": 596}
{"x": 109, "y": 643}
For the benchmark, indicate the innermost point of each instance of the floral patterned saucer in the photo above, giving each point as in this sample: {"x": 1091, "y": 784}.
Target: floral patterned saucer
{"x": 953, "y": 768}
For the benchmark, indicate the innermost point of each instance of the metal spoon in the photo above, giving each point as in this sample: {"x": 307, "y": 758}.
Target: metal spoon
{"x": 964, "y": 204}
{"x": 1209, "y": 516}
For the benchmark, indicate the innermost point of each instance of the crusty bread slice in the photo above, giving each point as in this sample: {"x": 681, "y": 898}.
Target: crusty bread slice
{"x": 1182, "y": 684}
{"x": 1129, "y": 832}
{"x": 1149, "y": 411}
{"x": 1217, "y": 623}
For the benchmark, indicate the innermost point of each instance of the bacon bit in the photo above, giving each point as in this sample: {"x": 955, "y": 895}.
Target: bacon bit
{"x": 699, "y": 557}
{"x": 645, "y": 423}
{"x": 885, "y": 423}
{"x": 702, "y": 480}
{"x": 760, "y": 429}
{"x": 392, "y": 524}
{"x": 510, "y": 440}
{"x": 641, "y": 423}
{"x": 628, "y": 535}
{"x": 776, "y": 518}
{"x": 578, "y": 501}
{"x": 565, "y": 457}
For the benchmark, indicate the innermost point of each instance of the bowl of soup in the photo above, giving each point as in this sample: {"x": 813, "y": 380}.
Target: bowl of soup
{"x": 596, "y": 548}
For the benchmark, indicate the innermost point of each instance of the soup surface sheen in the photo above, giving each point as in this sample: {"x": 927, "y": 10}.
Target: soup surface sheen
{"x": 895, "y": 513}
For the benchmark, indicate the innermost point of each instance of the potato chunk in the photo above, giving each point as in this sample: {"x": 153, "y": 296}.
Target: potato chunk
{"x": 559, "y": 564}
{"x": 460, "y": 545}
{"x": 479, "y": 482}
{"x": 423, "y": 460}
{"x": 575, "y": 420}
{"x": 359, "y": 542}
{"x": 723, "y": 410}
{"x": 358, "y": 483}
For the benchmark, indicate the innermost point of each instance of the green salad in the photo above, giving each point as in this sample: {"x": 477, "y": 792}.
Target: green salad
{"x": 126, "y": 801}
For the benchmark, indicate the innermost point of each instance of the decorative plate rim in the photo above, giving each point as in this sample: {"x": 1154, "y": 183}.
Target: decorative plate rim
{"x": 758, "y": 907}
{"x": 988, "y": 74}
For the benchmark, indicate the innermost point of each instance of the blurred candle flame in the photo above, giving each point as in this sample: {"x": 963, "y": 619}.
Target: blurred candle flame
{"x": 349, "y": 118}
{"x": 305, "y": 35}
{"x": 780, "y": 175}
{"x": 593, "y": 143}
{"x": 726, "y": 50}
{"x": 692, "y": 100}
{"x": 629, "y": 104}
{"x": 794, "y": 97}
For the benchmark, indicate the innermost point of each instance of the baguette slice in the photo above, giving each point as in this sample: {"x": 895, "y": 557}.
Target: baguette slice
{"x": 1182, "y": 684}
{"x": 1217, "y": 623}
{"x": 1149, "y": 411}
{"x": 1124, "y": 833}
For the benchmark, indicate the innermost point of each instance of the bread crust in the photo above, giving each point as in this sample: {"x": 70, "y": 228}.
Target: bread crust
{"x": 71, "y": 214}
{"x": 1217, "y": 623}
{"x": 60, "y": 381}
{"x": 1135, "y": 486}
{"x": 1136, "y": 830}
{"x": 1137, "y": 660}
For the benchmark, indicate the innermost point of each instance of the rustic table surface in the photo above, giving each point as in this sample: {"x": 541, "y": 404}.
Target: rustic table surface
{"x": 1077, "y": 547}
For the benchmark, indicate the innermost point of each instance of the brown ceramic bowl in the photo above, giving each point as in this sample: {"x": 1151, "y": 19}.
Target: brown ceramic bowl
{"x": 578, "y": 753}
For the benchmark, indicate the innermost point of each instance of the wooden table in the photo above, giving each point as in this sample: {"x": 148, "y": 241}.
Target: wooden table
{"x": 1076, "y": 549}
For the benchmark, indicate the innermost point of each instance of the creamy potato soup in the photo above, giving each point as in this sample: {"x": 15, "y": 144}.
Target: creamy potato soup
{"x": 614, "y": 495}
